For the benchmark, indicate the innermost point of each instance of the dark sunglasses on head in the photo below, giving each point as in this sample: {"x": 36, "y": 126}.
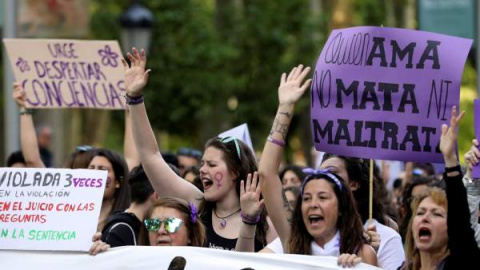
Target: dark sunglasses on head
{"x": 172, "y": 225}
{"x": 189, "y": 152}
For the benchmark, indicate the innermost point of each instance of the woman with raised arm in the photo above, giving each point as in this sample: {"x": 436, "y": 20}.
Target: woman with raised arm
{"x": 439, "y": 235}
{"x": 226, "y": 161}
{"x": 473, "y": 187}
{"x": 325, "y": 220}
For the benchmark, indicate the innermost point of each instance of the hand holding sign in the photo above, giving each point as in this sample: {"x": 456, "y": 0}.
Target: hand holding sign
{"x": 471, "y": 157}
{"x": 19, "y": 95}
{"x": 291, "y": 88}
{"x": 448, "y": 140}
{"x": 135, "y": 75}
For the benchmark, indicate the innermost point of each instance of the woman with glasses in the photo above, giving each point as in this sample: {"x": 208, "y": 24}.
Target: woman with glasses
{"x": 173, "y": 222}
{"x": 225, "y": 162}
{"x": 170, "y": 222}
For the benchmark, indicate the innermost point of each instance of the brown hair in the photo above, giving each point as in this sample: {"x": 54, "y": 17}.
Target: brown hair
{"x": 412, "y": 255}
{"x": 240, "y": 168}
{"x": 348, "y": 224}
{"x": 196, "y": 231}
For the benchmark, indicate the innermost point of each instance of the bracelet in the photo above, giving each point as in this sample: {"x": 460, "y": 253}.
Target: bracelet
{"x": 133, "y": 100}
{"x": 277, "y": 142}
{"x": 26, "y": 112}
{"x": 249, "y": 220}
{"x": 453, "y": 169}
{"x": 247, "y": 237}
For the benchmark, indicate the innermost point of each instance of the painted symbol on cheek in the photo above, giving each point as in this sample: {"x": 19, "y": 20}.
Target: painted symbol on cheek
{"x": 218, "y": 178}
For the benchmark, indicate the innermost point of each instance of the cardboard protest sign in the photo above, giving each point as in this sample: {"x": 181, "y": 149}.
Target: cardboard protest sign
{"x": 59, "y": 73}
{"x": 384, "y": 93}
{"x": 49, "y": 209}
{"x": 240, "y": 132}
{"x": 476, "y": 124}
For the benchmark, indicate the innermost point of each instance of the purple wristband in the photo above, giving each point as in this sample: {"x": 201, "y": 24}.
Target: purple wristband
{"x": 133, "y": 100}
{"x": 277, "y": 142}
{"x": 249, "y": 220}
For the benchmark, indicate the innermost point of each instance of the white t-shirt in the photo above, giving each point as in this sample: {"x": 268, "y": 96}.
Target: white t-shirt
{"x": 331, "y": 248}
{"x": 390, "y": 254}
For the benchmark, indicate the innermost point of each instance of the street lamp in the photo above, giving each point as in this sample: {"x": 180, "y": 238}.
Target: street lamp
{"x": 137, "y": 23}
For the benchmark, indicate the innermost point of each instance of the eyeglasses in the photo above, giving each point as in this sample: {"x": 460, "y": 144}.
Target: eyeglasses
{"x": 83, "y": 148}
{"x": 172, "y": 225}
{"x": 189, "y": 152}
{"x": 237, "y": 146}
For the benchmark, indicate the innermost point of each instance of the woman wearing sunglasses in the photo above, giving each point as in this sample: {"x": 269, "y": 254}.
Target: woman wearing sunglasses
{"x": 170, "y": 222}
{"x": 225, "y": 162}
{"x": 173, "y": 222}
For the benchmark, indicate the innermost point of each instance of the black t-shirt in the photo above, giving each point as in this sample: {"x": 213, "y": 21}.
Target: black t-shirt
{"x": 122, "y": 229}
{"x": 218, "y": 242}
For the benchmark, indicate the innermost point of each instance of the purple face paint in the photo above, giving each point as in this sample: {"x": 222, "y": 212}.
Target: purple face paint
{"x": 218, "y": 177}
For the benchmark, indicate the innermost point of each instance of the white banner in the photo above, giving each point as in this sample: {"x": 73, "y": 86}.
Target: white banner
{"x": 49, "y": 209}
{"x": 163, "y": 258}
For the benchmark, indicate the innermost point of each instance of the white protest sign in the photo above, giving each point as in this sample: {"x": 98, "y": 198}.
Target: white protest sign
{"x": 240, "y": 132}
{"x": 49, "y": 209}
{"x": 163, "y": 258}
{"x": 58, "y": 73}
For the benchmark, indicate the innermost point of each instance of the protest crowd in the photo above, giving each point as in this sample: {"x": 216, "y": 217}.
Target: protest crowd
{"x": 225, "y": 197}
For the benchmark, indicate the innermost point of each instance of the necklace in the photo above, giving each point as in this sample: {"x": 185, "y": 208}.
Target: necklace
{"x": 223, "y": 220}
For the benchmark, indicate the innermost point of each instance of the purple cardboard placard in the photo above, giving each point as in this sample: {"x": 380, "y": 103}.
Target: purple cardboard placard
{"x": 384, "y": 93}
{"x": 476, "y": 124}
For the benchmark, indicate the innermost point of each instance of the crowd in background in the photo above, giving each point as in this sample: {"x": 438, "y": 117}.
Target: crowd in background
{"x": 225, "y": 197}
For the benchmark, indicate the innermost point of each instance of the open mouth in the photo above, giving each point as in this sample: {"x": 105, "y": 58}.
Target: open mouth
{"x": 207, "y": 183}
{"x": 424, "y": 234}
{"x": 315, "y": 219}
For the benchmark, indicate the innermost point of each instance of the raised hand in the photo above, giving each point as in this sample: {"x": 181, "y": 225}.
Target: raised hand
{"x": 19, "y": 95}
{"x": 291, "y": 87}
{"x": 448, "y": 140}
{"x": 472, "y": 157}
{"x": 250, "y": 201}
{"x": 136, "y": 76}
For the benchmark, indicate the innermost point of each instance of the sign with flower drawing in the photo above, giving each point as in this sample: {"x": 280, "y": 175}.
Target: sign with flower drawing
{"x": 59, "y": 73}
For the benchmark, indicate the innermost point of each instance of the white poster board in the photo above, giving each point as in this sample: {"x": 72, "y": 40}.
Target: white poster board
{"x": 61, "y": 73}
{"x": 166, "y": 258}
{"x": 240, "y": 132}
{"x": 49, "y": 209}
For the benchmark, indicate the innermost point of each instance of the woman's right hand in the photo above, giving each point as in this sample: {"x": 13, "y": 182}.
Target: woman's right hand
{"x": 291, "y": 87}
{"x": 19, "y": 95}
{"x": 136, "y": 76}
{"x": 471, "y": 157}
{"x": 98, "y": 245}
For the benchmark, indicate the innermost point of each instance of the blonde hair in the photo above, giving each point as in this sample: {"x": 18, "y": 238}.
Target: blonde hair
{"x": 439, "y": 197}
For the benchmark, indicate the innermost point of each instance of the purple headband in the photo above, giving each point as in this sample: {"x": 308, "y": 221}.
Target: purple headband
{"x": 317, "y": 173}
{"x": 193, "y": 212}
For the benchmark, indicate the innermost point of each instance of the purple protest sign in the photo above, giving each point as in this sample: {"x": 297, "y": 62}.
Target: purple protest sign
{"x": 384, "y": 93}
{"x": 476, "y": 124}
